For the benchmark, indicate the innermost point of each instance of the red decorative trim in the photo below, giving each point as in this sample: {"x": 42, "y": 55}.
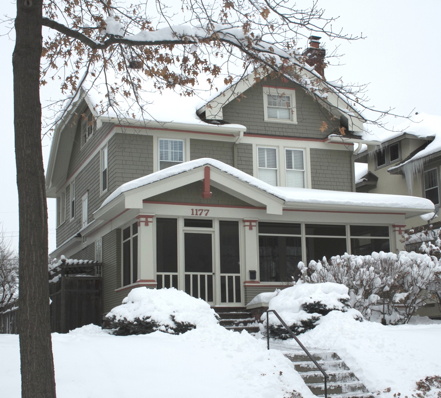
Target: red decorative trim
{"x": 146, "y": 219}
{"x": 250, "y": 224}
{"x": 251, "y": 283}
{"x": 206, "y": 193}
{"x": 400, "y": 229}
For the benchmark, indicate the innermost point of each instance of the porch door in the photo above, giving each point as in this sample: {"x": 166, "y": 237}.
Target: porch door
{"x": 199, "y": 273}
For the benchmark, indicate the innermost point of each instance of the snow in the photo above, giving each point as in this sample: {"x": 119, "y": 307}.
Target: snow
{"x": 159, "y": 304}
{"x": 360, "y": 171}
{"x": 289, "y": 195}
{"x": 211, "y": 361}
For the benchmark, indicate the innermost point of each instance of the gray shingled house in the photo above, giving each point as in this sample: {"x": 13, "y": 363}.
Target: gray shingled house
{"x": 223, "y": 204}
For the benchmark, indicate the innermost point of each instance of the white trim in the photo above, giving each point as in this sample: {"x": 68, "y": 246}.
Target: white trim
{"x": 280, "y": 92}
{"x": 104, "y": 166}
{"x": 85, "y": 210}
{"x": 72, "y": 201}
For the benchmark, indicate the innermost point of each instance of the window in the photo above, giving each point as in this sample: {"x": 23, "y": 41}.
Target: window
{"x": 166, "y": 252}
{"x": 84, "y": 210}
{"x": 130, "y": 254}
{"x": 99, "y": 250}
{"x": 267, "y": 164}
{"x": 280, "y": 251}
{"x": 72, "y": 200}
{"x": 323, "y": 240}
{"x": 387, "y": 155}
{"x": 171, "y": 152}
{"x": 279, "y": 105}
{"x": 104, "y": 169}
{"x": 295, "y": 168}
{"x": 87, "y": 125}
{"x": 431, "y": 191}
{"x": 61, "y": 208}
{"x": 366, "y": 239}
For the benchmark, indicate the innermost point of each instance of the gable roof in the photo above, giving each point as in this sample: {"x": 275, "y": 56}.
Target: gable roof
{"x": 322, "y": 91}
{"x": 256, "y": 192}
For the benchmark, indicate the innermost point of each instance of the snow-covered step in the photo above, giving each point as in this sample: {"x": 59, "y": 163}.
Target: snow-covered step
{"x": 342, "y": 383}
{"x": 237, "y": 319}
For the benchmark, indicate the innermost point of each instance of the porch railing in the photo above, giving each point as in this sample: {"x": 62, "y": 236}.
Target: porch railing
{"x": 200, "y": 285}
{"x": 167, "y": 279}
{"x": 290, "y": 332}
{"x": 230, "y": 288}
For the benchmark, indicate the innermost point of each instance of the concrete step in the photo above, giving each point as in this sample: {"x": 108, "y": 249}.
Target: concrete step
{"x": 341, "y": 383}
{"x": 237, "y": 319}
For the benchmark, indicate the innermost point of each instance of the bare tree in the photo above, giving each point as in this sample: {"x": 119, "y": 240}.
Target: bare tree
{"x": 173, "y": 47}
{"x": 8, "y": 273}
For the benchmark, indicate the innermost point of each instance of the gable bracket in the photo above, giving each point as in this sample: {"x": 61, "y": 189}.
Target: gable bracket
{"x": 206, "y": 193}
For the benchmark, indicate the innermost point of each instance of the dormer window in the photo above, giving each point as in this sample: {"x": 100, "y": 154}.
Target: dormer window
{"x": 279, "y": 105}
{"x": 87, "y": 125}
{"x": 388, "y": 154}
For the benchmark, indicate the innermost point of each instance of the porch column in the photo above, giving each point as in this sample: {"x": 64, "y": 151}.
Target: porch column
{"x": 251, "y": 252}
{"x": 146, "y": 252}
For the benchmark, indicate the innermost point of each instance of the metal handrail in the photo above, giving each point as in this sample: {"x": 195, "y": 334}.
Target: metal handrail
{"x": 325, "y": 376}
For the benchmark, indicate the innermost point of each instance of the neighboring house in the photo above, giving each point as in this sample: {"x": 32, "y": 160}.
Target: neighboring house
{"x": 405, "y": 163}
{"x": 222, "y": 203}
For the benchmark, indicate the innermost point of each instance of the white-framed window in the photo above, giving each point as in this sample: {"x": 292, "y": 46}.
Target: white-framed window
{"x": 171, "y": 152}
{"x": 295, "y": 168}
{"x": 104, "y": 169}
{"x": 267, "y": 165}
{"x": 279, "y": 105}
{"x": 87, "y": 125}
{"x": 72, "y": 200}
{"x": 431, "y": 185}
{"x": 85, "y": 210}
{"x": 61, "y": 208}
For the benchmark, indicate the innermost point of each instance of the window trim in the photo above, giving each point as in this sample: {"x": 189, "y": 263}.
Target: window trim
{"x": 276, "y": 169}
{"x": 61, "y": 208}
{"x": 286, "y": 170}
{"x": 158, "y": 144}
{"x": 134, "y": 264}
{"x": 281, "y": 151}
{"x": 280, "y": 91}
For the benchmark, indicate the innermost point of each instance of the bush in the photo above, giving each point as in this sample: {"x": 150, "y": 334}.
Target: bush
{"x": 165, "y": 310}
{"x": 382, "y": 286}
{"x": 303, "y": 305}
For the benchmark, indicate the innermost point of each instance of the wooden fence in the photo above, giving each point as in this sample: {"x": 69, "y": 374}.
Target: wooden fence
{"x": 76, "y": 300}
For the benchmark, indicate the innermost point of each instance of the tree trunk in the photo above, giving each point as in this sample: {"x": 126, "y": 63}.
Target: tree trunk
{"x": 37, "y": 368}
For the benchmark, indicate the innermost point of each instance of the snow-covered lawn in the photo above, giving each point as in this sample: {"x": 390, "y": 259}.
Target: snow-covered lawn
{"x": 210, "y": 361}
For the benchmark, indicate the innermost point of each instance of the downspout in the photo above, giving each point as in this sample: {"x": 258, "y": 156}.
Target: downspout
{"x": 236, "y": 142}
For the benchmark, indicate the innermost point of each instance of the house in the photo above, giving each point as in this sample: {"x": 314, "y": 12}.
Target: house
{"x": 406, "y": 162}
{"x": 221, "y": 201}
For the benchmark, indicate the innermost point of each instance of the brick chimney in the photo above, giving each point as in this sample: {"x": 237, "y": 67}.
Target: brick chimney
{"x": 315, "y": 56}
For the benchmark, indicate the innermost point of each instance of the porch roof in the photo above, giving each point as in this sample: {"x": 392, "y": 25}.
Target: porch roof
{"x": 256, "y": 192}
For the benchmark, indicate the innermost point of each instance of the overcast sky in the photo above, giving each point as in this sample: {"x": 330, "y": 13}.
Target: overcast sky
{"x": 400, "y": 59}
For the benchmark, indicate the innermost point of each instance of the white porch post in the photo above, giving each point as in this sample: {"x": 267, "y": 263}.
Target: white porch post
{"x": 251, "y": 249}
{"x": 146, "y": 249}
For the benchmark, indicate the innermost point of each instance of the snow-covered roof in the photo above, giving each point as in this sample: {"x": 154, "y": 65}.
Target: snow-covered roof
{"x": 285, "y": 197}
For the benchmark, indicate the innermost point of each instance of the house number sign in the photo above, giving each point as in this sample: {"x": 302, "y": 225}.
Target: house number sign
{"x": 200, "y": 212}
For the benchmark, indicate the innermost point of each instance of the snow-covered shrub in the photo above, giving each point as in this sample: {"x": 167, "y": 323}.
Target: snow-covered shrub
{"x": 302, "y": 305}
{"x": 166, "y": 310}
{"x": 383, "y": 286}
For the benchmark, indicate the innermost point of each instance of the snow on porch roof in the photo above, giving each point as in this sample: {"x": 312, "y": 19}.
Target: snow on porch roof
{"x": 291, "y": 197}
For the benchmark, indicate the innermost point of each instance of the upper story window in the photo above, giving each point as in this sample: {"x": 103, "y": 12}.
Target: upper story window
{"x": 61, "y": 208}
{"x": 72, "y": 200}
{"x": 387, "y": 155}
{"x": 87, "y": 125}
{"x": 287, "y": 170}
{"x": 267, "y": 164}
{"x": 171, "y": 152}
{"x": 431, "y": 185}
{"x": 295, "y": 168}
{"x": 279, "y": 105}
{"x": 85, "y": 210}
{"x": 104, "y": 166}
